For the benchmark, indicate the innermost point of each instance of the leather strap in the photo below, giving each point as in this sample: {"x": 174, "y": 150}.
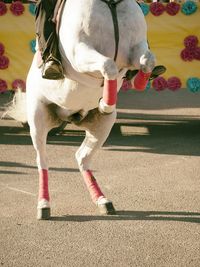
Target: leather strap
{"x": 113, "y": 9}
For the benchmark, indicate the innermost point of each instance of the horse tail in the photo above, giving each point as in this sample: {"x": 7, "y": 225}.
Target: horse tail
{"x": 16, "y": 109}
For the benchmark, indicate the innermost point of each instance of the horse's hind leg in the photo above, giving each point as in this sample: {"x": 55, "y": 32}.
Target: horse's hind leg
{"x": 38, "y": 122}
{"x": 96, "y": 134}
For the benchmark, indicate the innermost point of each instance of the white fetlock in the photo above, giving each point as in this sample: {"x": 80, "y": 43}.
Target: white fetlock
{"x": 43, "y": 204}
{"x": 102, "y": 201}
{"x": 43, "y": 210}
{"x": 147, "y": 62}
{"x": 105, "y": 108}
{"x": 105, "y": 206}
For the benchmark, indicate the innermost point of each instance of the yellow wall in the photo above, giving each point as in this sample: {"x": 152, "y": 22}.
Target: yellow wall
{"x": 15, "y": 33}
{"x": 165, "y": 33}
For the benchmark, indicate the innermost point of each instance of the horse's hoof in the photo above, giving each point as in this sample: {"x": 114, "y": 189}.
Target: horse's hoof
{"x": 43, "y": 214}
{"x": 43, "y": 210}
{"x": 107, "y": 208}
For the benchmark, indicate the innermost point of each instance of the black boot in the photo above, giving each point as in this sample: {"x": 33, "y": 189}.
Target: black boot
{"x": 52, "y": 69}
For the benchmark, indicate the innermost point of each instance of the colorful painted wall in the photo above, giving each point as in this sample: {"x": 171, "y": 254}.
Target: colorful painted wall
{"x": 173, "y": 33}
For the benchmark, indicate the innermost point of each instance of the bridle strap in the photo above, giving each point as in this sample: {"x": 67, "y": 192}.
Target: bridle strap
{"x": 112, "y": 6}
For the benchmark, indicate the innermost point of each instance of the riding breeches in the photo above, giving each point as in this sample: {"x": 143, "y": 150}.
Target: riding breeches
{"x": 46, "y": 28}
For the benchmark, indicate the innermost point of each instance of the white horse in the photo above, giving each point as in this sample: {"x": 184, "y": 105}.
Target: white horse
{"x": 87, "y": 95}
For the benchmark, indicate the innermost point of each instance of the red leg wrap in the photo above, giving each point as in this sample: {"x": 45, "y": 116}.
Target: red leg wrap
{"x": 91, "y": 183}
{"x": 43, "y": 185}
{"x": 141, "y": 80}
{"x": 110, "y": 92}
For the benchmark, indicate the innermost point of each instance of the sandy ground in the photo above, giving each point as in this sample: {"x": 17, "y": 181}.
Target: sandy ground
{"x": 149, "y": 167}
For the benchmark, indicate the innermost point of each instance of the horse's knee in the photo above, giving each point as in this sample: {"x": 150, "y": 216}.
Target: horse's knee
{"x": 83, "y": 157}
{"x": 147, "y": 61}
{"x": 79, "y": 160}
{"x": 109, "y": 69}
{"x": 38, "y": 136}
{"x": 85, "y": 152}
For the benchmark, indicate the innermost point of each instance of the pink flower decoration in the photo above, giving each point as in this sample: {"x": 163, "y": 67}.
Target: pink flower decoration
{"x": 3, "y": 86}
{"x": 17, "y": 8}
{"x": 191, "y": 41}
{"x": 187, "y": 54}
{"x": 2, "y": 49}
{"x": 126, "y": 85}
{"x": 197, "y": 53}
{"x": 172, "y": 8}
{"x": 157, "y": 8}
{"x": 174, "y": 83}
{"x": 3, "y": 8}
{"x": 18, "y": 83}
{"x": 4, "y": 62}
{"x": 159, "y": 84}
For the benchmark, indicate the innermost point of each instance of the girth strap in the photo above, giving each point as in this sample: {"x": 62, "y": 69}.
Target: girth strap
{"x": 112, "y": 6}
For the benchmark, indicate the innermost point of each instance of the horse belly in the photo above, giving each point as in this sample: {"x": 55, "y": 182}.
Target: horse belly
{"x": 78, "y": 98}
{"x": 67, "y": 93}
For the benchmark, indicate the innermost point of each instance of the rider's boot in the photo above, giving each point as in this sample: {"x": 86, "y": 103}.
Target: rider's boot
{"x": 52, "y": 69}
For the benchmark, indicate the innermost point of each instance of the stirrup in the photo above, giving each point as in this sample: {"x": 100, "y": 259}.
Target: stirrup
{"x": 52, "y": 69}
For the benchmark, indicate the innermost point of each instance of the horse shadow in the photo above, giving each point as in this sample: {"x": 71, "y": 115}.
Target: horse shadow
{"x": 163, "y": 135}
{"x": 127, "y": 215}
{"x": 132, "y": 131}
{"x": 21, "y": 166}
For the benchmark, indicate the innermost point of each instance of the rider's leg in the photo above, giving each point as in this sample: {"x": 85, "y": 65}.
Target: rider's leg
{"x": 47, "y": 39}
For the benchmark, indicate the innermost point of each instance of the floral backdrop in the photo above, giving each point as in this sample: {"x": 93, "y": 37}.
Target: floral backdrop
{"x": 173, "y": 35}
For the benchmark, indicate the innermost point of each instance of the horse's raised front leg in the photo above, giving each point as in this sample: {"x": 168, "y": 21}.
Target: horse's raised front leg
{"x": 87, "y": 59}
{"x": 143, "y": 59}
{"x": 97, "y": 132}
{"x": 38, "y": 122}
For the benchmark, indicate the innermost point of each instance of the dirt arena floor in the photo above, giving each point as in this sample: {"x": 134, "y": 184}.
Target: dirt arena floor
{"x": 149, "y": 167}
